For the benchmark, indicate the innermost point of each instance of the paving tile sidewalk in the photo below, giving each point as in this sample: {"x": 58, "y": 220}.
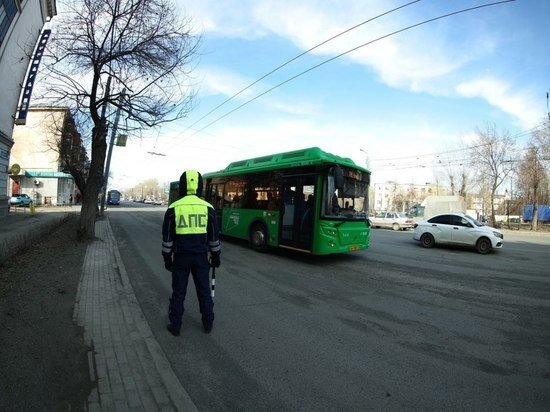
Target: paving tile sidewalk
{"x": 127, "y": 363}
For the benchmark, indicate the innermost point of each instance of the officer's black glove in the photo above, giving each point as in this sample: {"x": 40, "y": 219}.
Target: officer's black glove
{"x": 167, "y": 262}
{"x": 215, "y": 260}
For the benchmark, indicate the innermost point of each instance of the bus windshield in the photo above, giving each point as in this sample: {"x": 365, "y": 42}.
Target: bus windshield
{"x": 349, "y": 202}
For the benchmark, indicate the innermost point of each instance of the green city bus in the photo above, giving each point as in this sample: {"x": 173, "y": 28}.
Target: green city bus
{"x": 306, "y": 200}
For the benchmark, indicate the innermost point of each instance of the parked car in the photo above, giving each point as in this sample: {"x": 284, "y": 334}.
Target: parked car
{"x": 457, "y": 229}
{"x": 20, "y": 200}
{"x": 394, "y": 220}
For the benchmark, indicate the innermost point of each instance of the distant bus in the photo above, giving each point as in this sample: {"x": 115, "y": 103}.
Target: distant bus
{"x": 305, "y": 200}
{"x": 113, "y": 197}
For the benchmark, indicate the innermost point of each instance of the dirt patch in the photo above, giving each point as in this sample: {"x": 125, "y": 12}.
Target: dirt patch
{"x": 43, "y": 358}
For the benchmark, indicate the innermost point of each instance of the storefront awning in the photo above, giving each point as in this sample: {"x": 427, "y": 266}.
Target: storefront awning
{"x": 47, "y": 174}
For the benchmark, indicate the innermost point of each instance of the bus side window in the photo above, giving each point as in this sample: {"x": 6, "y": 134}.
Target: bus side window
{"x": 227, "y": 201}
{"x": 272, "y": 201}
{"x": 219, "y": 196}
{"x": 236, "y": 201}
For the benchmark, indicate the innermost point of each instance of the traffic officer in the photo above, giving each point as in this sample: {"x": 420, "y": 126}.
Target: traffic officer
{"x": 189, "y": 232}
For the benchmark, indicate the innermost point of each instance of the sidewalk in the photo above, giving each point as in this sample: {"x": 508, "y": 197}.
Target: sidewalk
{"x": 127, "y": 363}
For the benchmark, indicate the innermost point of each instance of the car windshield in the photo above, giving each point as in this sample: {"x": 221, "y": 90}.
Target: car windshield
{"x": 475, "y": 222}
{"x": 403, "y": 214}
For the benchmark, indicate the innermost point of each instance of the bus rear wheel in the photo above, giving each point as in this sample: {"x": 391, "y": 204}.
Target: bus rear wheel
{"x": 258, "y": 237}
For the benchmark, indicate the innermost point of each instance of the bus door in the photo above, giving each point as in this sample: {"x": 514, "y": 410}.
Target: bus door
{"x": 215, "y": 196}
{"x": 298, "y": 212}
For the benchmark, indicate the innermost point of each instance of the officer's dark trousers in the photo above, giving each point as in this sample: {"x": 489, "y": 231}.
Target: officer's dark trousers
{"x": 197, "y": 265}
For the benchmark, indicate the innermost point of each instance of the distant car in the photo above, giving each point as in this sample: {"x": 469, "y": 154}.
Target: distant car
{"x": 20, "y": 200}
{"x": 393, "y": 220}
{"x": 457, "y": 229}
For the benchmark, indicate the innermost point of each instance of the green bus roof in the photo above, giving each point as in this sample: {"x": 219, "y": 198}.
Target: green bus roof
{"x": 305, "y": 157}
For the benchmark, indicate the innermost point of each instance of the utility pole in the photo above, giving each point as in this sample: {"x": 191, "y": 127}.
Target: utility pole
{"x": 366, "y": 158}
{"x": 109, "y": 154}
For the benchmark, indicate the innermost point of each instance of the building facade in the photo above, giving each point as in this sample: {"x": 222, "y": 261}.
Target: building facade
{"x": 396, "y": 197}
{"x": 42, "y": 149}
{"x": 21, "y": 22}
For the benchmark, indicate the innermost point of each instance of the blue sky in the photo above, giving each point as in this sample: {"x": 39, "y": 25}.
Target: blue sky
{"x": 400, "y": 99}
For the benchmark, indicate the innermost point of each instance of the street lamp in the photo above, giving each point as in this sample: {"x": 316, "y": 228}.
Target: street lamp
{"x": 366, "y": 157}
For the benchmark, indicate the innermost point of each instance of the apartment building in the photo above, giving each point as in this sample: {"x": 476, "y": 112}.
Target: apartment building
{"x": 42, "y": 150}
{"x": 21, "y": 22}
{"x": 401, "y": 197}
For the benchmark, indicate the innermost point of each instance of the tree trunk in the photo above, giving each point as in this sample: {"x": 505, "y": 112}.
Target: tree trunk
{"x": 534, "y": 222}
{"x": 93, "y": 185}
{"x": 493, "y": 218}
{"x": 88, "y": 213}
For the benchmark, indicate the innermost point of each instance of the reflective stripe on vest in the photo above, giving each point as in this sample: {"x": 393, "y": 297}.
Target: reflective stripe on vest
{"x": 191, "y": 215}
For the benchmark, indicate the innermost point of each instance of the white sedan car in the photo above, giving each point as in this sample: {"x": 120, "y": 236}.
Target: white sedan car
{"x": 457, "y": 229}
{"x": 393, "y": 220}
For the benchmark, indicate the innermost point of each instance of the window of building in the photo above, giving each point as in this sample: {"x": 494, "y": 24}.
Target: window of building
{"x": 8, "y": 10}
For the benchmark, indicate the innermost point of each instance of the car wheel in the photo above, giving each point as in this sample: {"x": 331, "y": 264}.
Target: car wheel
{"x": 396, "y": 227}
{"x": 258, "y": 237}
{"x": 483, "y": 246}
{"x": 427, "y": 240}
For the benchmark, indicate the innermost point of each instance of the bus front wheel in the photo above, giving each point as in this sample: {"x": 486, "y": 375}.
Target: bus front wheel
{"x": 258, "y": 237}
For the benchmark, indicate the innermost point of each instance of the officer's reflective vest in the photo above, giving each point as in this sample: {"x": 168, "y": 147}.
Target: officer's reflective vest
{"x": 191, "y": 215}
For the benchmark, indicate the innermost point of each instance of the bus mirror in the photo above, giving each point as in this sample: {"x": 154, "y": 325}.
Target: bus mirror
{"x": 338, "y": 174}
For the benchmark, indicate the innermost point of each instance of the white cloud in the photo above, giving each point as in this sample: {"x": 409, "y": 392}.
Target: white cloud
{"x": 219, "y": 81}
{"x": 216, "y": 80}
{"x": 428, "y": 59}
{"x": 411, "y": 60}
{"x": 231, "y": 18}
{"x": 500, "y": 94}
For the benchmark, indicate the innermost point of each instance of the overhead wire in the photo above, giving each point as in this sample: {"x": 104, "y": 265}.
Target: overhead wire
{"x": 467, "y": 148}
{"x": 439, "y": 162}
{"x": 350, "y": 51}
{"x": 297, "y": 57}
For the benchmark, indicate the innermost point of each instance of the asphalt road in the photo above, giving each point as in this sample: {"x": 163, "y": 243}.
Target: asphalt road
{"x": 396, "y": 327}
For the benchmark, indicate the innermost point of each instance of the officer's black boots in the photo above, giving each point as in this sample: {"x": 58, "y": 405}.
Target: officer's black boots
{"x": 172, "y": 330}
{"x": 208, "y": 327}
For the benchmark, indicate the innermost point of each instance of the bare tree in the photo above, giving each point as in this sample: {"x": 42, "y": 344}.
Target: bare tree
{"x": 454, "y": 172}
{"x": 67, "y": 142}
{"x": 146, "y": 189}
{"x": 457, "y": 176}
{"x": 411, "y": 197}
{"x": 490, "y": 156}
{"x": 130, "y": 54}
{"x": 533, "y": 171}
